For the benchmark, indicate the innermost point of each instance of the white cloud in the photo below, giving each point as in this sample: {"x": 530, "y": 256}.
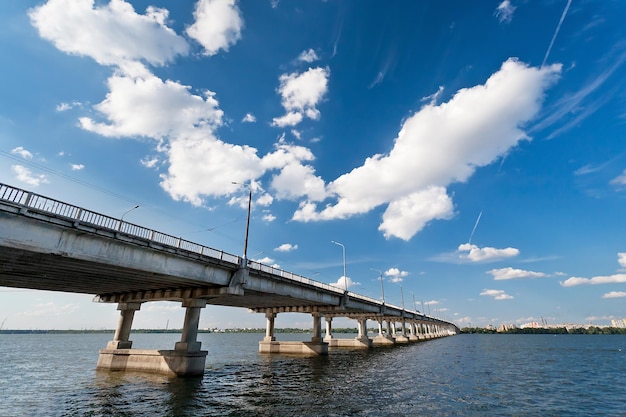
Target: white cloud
{"x": 601, "y": 279}
{"x": 431, "y": 303}
{"x": 22, "y": 152}
{"x": 25, "y": 175}
{"x": 434, "y": 98}
{"x": 473, "y": 129}
{"x": 286, "y": 247}
{"x": 301, "y": 93}
{"x": 77, "y": 167}
{"x": 266, "y": 260}
{"x": 504, "y": 11}
{"x": 111, "y": 34}
{"x": 249, "y": 118}
{"x": 511, "y": 273}
{"x": 476, "y": 254}
{"x": 150, "y": 161}
{"x": 620, "y": 180}
{"x": 497, "y": 294}
{"x": 218, "y": 25}
{"x": 614, "y": 294}
{"x": 50, "y": 309}
{"x": 147, "y": 106}
{"x": 308, "y": 56}
{"x": 621, "y": 259}
{"x": 408, "y": 215}
{"x": 342, "y": 281}
{"x": 268, "y": 217}
{"x": 396, "y": 275}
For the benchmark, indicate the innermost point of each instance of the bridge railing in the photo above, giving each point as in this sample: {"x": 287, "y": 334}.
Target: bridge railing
{"x": 68, "y": 211}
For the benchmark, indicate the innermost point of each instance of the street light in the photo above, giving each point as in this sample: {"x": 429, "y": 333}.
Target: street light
{"x": 402, "y": 295}
{"x": 245, "y": 242}
{"x": 380, "y": 277}
{"x": 343, "y": 250}
{"x": 119, "y": 226}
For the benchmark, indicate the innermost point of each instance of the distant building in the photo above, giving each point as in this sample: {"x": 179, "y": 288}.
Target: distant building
{"x": 621, "y": 323}
{"x": 531, "y": 325}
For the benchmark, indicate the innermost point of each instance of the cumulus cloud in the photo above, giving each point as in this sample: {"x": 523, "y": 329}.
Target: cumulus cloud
{"x": 476, "y": 254}
{"x": 77, "y": 167}
{"x": 111, "y": 34}
{"x": 300, "y": 94}
{"x": 620, "y": 180}
{"x": 614, "y": 294}
{"x": 511, "y": 273}
{"x": 345, "y": 282}
{"x": 621, "y": 259}
{"x": 286, "y": 247}
{"x": 25, "y": 175}
{"x": 20, "y": 151}
{"x": 601, "y": 279}
{"x": 268, "y": 217}
{"x": 395, "y": 275}
{"x": 497, "y": 294}
{"x": 218, "y": 25}
{"x": 504, "y": 11}
{"x": 150, "y": 107}
{"x": 437, "y": 146}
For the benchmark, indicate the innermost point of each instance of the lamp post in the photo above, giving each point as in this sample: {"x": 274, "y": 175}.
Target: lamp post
{"x": 343, "y": 250}
{"x": 119, "y": 226}
{"x": 245, "y": 242}
{"x": 380, "y": 277}
{"x": 402, "y": 295}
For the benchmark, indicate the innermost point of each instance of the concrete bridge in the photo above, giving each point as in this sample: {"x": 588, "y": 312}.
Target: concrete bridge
{"x": 47, "y": 244}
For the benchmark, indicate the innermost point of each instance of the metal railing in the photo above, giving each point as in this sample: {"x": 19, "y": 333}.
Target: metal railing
{"x": 60, "y": 209}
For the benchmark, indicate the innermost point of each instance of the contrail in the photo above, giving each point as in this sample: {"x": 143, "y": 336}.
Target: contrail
{"x": 556, "y": 32}
{"x": 475, "y": 226}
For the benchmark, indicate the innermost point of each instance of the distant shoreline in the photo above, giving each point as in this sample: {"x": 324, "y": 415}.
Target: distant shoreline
{"x": 135, "y": 331}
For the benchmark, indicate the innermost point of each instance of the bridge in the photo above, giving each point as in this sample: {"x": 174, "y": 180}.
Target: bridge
{"x": 47, "y": 244}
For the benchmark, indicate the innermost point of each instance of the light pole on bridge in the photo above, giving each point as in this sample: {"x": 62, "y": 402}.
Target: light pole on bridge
{"x": 343, "y": 250}
{"x": 245, "y": 242}
{"x": 119, "y": 226}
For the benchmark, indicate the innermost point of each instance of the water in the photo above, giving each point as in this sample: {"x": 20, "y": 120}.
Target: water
{"x": 465, "y": 375}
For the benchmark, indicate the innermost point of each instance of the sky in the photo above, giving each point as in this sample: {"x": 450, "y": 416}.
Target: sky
{"x": 472, "y": 154}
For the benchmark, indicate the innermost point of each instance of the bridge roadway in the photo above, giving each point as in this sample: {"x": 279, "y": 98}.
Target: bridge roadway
{"x": 47, "y": 244}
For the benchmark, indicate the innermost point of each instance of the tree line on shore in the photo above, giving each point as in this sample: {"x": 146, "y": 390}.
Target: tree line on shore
{"x": 549, "y": 330}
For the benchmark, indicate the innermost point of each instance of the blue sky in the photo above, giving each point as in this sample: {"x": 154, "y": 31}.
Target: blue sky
{"x": 473, "y": 152}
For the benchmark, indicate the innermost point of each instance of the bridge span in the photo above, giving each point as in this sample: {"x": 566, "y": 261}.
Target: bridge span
{"x": 47, "y": 244}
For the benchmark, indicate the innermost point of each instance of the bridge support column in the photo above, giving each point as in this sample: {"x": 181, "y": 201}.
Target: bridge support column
{"x": 329, "y": 329}
{"x": 381, "y": 339}
{"x": 401, "y": 338}
{"x": 413, "y": 336}
{"x": 315, "y": 347}
{"x": 269, "y": 329}
{"x": 362, "y": 341}
{"x": 185, "y": 360}
{"x": 124, "y": 325}
{"x": 188, "y": 339}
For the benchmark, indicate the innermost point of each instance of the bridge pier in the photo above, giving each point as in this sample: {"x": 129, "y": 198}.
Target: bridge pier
{"x": 401, "y": 338}
{"x": 185, "y": 360}
{"x": 381, "y": 339}
{"x": 315, "y": 347}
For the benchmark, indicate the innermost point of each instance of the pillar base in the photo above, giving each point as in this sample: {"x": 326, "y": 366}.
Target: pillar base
{"x": 164, "y": 362}
{"x": 401, "y": 339}
{"x": 357, "y": 343}
{"x": 413, "y": 338}
{"x": 383, "y": 341}
{"x": 294, "y": 348}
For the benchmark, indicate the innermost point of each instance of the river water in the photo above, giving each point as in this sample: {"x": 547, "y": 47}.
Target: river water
{"x": 464, "y": 375}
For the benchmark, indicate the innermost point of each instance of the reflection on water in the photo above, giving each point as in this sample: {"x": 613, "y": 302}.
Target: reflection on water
{"x": 467, "y": 375}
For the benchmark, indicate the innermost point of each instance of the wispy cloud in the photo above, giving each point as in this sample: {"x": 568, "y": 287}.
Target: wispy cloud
{"x": 511, "y": 273}
{"x": 20, "y": 151}
{"x": 556, "y": 32}
{"x": 477, "y": 254}
{"x": 497, "y": 294}
{"x": 249, "y": 118}
{"x": 614, "y": 294}
{"x": 308, "y": 56}
{"x": 504, "y": 11}
{"x": 25, "y": 175}
{"x": 286, "y": 247}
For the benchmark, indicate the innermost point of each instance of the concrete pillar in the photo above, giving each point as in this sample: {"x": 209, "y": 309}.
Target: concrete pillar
{"x": 329, "y": 329}
{"x": 403, "y": 327}
{"x": 124, "y": 325}
{"x": 269, "y": 329}
{"x": 188, "y": 340}
{"x": 380, "y": 327}
{"x": 317, "y": 328}
{"x": 391, "y": 330}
